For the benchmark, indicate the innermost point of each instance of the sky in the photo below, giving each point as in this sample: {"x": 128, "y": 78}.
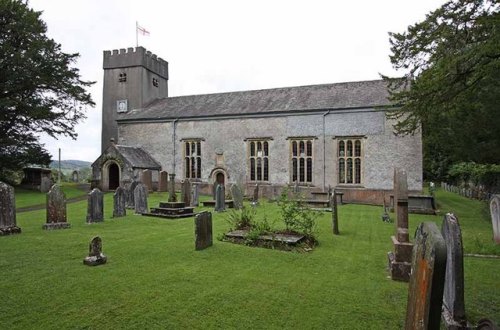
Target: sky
{"x": 221, "y": 46}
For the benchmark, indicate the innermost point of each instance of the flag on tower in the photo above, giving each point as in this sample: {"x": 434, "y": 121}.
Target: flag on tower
{"x": 142, "y": 30}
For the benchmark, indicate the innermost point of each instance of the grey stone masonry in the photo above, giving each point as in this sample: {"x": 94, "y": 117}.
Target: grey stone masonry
{"x": 495, "y": 217}
{"x": 95, "y": 257}
{"x": 186, "y": 192}
{"x": 425, "y": 292}
{"x": 237, "y": 196}
{"x": 119, "y": 199}
{"x": 163, "y": 181}
{"x": 147, "y": 179}
{"x": 220, "y": 198}
{"x": 453, "y": 299}
{"x": 8, "y": 210}
{"x": 139, "y": 56}
{"x": 56, "y": 209}
{"x": 95, "y": 206}
{"x": 171, "y": 188}
{"x": 203, "y": 230}
{"x": 141, "y": 199}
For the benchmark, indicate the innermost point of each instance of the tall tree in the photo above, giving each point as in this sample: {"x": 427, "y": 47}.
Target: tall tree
{"x": 451, "y": 84}
{"x": 40, "y": 91}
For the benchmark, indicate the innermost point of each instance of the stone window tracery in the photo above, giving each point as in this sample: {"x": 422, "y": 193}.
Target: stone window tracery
{"x": 350, "y": 160}
{"x": 192, "y": 159}
{"x": 302, "y": 160}
{"x": 258, "y": 155}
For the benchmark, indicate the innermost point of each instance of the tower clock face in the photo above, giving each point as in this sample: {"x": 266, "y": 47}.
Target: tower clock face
{"x": 121, "y": 106}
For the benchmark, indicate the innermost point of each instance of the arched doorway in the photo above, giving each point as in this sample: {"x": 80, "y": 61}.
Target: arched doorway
{"x": 219, "y": 178}
{"x": 114, "y": 176}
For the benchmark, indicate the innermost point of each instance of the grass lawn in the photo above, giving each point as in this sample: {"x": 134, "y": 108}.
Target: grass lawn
{"x": 155, "y": 279}
{"x": 26, "y": 197}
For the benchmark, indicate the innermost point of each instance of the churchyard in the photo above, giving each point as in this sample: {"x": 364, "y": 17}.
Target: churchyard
{"x": 155, "y": 278}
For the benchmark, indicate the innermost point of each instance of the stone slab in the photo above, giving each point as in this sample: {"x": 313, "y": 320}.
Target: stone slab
{"x": 203, "y": 231}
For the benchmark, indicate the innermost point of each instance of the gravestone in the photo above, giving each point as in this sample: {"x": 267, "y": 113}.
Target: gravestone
{"x": 255, "y": 198}
{"x": 95, "y": 257}
{"x": 425, "y": 291}
{"x": 75, "y": 176}
{"x": 119, "y": 199}
{"x": 495, "y": 217}
{"x": 186, "y": 192}
{"x": 195, "y": 192}
{"x": 203, "y": 230}
{"x": 147, "y": 179}
{"x": 130, "y": 195}
{"x": 220, "y": 198}
{"x": 453, "y": 299}
{"x": 163, "y": 181}
{"x": 237, "y": 196}
{"x": 385, "y": 215}
{"x": 172, "y": 198}
{"x": 56, "y": 209}
{"x": 8, "y": 210}
{"x": 45, "y": 184}
{"x": 95, "y": 206}
{"x": 296, "y": 187}
{"x": 335, "y": 215}
{"x": 400, "y": 258}
{"x": 141, "y": 199}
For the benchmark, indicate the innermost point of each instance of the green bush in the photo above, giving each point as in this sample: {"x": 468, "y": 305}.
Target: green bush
{"x": 241, "y": 219}
{"x": 296, "y": 216}
{"x": 487, "y": 175}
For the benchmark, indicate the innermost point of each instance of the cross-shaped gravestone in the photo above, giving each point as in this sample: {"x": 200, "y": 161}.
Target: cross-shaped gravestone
{"x": 56, "y": 209}
{"x": 119, "y": 199}
{"x": 95, "y": 206}
{"x": 8, "y": 210}
{"x": 203, "y": 230}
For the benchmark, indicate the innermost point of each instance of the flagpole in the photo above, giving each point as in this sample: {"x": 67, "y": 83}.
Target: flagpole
{"x": 136, "y": 35}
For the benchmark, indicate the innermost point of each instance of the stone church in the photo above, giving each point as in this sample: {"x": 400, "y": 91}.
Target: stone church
{"x": 317, "y": 136}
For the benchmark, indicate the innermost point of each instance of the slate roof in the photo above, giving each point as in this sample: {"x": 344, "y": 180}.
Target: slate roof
{"x": 348, "y": 95}
{"x": 138, "y": 157}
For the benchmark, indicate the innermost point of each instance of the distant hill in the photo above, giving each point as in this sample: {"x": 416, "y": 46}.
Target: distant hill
{"x": 70, "y": 164}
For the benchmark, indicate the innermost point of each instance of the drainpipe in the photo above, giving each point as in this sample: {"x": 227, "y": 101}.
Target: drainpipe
{"x": 173, "y": 142}
{"x": 324, "y": 150}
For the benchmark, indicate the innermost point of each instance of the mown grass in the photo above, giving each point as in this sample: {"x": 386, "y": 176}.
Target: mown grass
{"x": 26, "y": 197}
{"x": 155, "y": 279}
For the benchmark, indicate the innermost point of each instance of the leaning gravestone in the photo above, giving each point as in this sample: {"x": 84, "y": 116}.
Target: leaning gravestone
{"x": 163, "y": 181}
{"x": 237, "y": 197}
{"x": 495, "y": 217}
{"x": 95, "y": 206}
{"x": 95, "y": 257}
{"x": 130, "y": 195}
{"x": 172, "y": 198}
{"x": 425, "y": 292}
{"x": 186, "y": 192}
{"x": 195, "y": 192}
{"x": 8, "y": 210}
{"x": 453, "y": 299}
{"x": 203, "y": 230}
{"x": 147, "y": 179}
{"x": 119, "y": 199}
{"x": 56, "y": 209}
{"x": 141, "y": 199}
{"x": 220, "y": 198}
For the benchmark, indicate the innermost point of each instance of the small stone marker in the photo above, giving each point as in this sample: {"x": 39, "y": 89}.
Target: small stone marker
{"x": 147, "y": 179}
{"x": 171, "y": 188}
{"x": 163, "y": 181}
{"x": 195, "y": 192}
{"x": 8, "y": 210}
{"x": 425, "y": 292}
{"x": 255, "y": 200}
{"x": 141, "y": 199}
{"x": 495, "y": 217}
{"x": 203, "y": 230}
{"x": 130, "y": 195}
{"x": 95, "y": 206}
{"x": 186, "y": 192}
{"x": 220, "y": 198}
{"x": 95, "y": 257}
{"x": 119, "y": 199}
{"x": 335, "y": 214}
{"x": 237, "y": 197}
{"x": 56, "y": 209}
{"x": 453, "y": 298}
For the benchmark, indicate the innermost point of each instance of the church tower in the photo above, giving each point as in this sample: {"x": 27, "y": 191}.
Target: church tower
{"x": 132, "y": 79}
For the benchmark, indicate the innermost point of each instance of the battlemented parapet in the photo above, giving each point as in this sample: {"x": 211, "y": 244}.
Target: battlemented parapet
{"x": 131, "y": 57}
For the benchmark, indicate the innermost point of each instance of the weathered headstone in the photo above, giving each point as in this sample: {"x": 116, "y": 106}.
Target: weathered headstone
{"x": 171, "y": 188}
{"x": 163, "y": 181}
{"x": 45, "y": 184}
{"x": 296, "y": 187}
{"x": 220, "y": 198}
{"x": 385, "y": 215}
{"x": 95, "y": 257}
{"x": 195, "y": 192}
{"x": 186, "y": 192}
{"x": 130, "y": 195}
{"x": 335, "y": 214}
{"x": 95, "y": 206}
{"x": 119, "y": 199}
{"x": 255, "y": 198}
{"x": 425, "y": 292}
{"x": 8, "y": 210}
{"x": 495, "y": 217}
{"x": 141, "y": 199}
{"x": 147, "y": 179}
{"x": 453, "y": 298}
{"x": 237, "y": 196}
{"x": 400, "y": 259}
{"x": 203, "y": 230}
{"x": 56, "y": 209}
